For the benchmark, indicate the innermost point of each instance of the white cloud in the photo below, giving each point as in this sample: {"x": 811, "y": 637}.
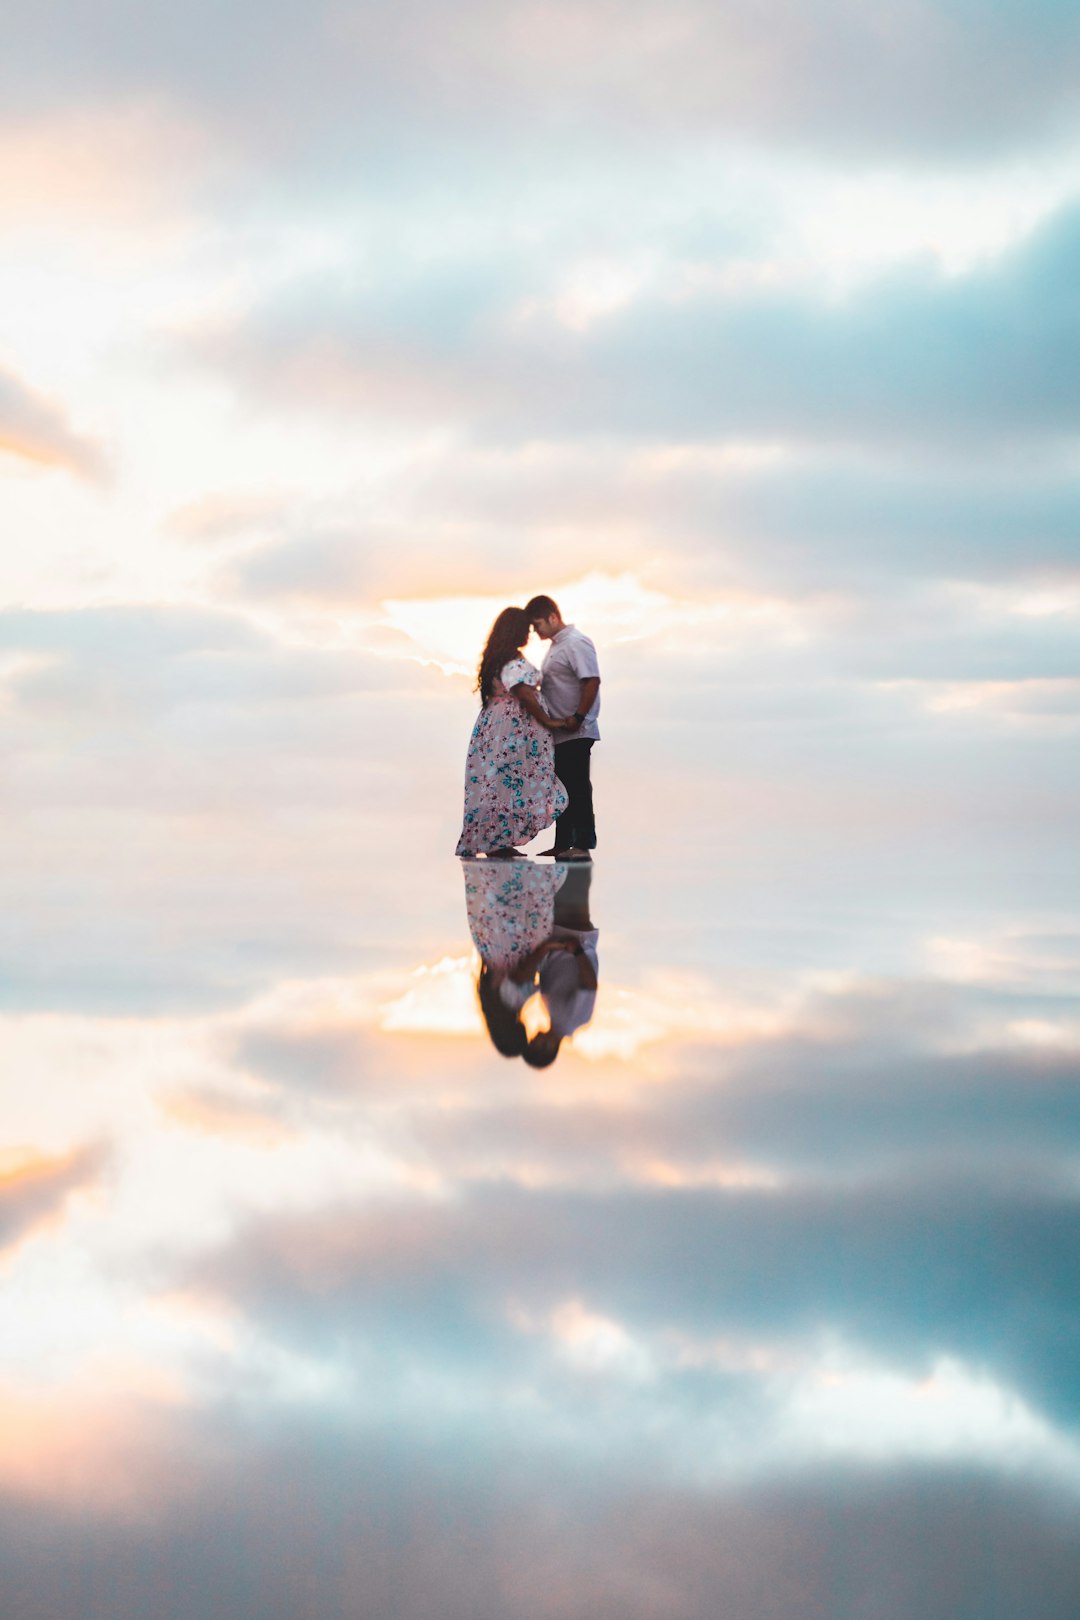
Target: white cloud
{"x": 35, "y": 429}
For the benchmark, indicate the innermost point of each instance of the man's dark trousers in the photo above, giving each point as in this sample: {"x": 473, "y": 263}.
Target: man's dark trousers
{"x": 576, "y": 827}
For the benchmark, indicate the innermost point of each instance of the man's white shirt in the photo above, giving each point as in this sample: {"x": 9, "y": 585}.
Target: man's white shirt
{"x": 569, "y": 660}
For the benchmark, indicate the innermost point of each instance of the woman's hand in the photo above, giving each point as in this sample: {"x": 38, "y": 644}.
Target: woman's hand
{"x": 530, "y": 702}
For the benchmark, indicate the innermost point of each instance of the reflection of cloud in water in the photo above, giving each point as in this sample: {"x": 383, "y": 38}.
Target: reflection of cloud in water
{"x": 440, "y": 1000}
{"x": 764, "y": 1227}
{"x": 666, "y": 1009}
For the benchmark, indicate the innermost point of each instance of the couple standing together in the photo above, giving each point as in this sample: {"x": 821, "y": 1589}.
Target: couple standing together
{"x": 529, "y": 754}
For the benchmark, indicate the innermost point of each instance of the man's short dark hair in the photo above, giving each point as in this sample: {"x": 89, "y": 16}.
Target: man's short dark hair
{"x": 542, "y": 607}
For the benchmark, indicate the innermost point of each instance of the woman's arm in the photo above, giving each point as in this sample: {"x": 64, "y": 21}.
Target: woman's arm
{"x": 526, "y": 696}
{"x": 526, "y": 968}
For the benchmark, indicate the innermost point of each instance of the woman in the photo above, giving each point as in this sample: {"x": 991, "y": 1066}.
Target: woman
{"x": 511, "y": 790}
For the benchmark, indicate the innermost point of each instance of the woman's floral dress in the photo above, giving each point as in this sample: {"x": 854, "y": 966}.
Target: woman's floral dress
{"x": 511, "y": 790}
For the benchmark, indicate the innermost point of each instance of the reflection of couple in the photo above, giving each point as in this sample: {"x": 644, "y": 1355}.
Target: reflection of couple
{"x": 528, "y": 758}
{"x": 532, "y": 929}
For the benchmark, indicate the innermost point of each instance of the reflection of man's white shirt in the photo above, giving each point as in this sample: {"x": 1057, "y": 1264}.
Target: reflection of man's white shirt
{"x": 569, "y": 1006}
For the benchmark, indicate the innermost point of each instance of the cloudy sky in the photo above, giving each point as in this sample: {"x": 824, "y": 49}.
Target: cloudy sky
{"x": 752, "y": 334}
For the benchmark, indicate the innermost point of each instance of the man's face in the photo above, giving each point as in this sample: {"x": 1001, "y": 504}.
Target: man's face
{"x": 546, "y": 628}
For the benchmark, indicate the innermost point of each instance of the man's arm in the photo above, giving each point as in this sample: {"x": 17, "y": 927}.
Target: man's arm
{"x": 586, "y": 971}
{"x": 587, "y": 695}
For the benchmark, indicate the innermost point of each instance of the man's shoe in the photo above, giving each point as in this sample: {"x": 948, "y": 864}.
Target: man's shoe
{"x": 576, "y": 855}
{"x": 558, "y": 853}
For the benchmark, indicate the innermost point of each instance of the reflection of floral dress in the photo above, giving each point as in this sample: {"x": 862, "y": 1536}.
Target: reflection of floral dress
{"x": 511, "y": 908}
{"x": 511, "y": 790}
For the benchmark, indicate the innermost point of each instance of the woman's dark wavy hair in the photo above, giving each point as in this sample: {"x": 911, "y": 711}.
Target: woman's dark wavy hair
{"x": 503, "y": 1023}
{"x": 508, "y": 635}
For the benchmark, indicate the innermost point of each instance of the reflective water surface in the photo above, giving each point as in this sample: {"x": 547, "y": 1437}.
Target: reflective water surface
{"x": 749, "y": 1290}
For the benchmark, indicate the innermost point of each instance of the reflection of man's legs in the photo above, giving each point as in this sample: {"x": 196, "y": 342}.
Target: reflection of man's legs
{"x": 572, "y": 899}
{"x": 576, "y": 827}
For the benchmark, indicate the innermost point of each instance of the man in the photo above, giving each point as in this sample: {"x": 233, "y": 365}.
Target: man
{"x": 571, "y": 689}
